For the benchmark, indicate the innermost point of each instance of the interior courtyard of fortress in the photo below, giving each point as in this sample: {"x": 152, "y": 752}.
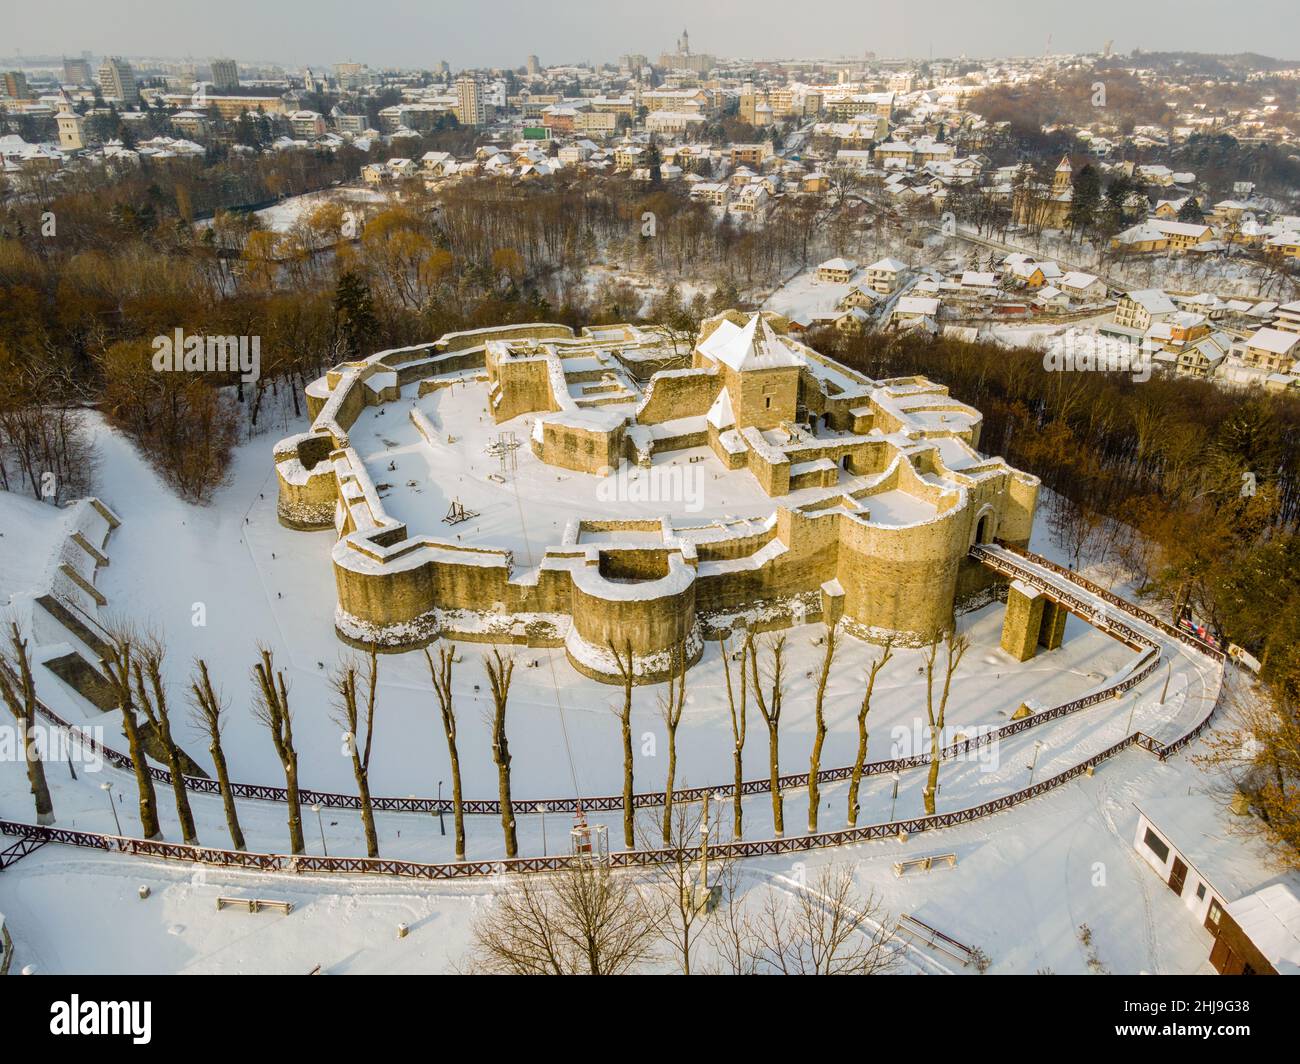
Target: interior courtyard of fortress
{"x": 623, "y": 489}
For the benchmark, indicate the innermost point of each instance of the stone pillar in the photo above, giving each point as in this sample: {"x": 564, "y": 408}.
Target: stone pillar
{"x": 1052, "y": 633}
{"x": 832, "y": 603}
{"x": 1023, "y": 621}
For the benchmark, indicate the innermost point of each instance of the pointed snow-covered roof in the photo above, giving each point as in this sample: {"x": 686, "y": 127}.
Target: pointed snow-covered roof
{"x": 889, "y": 265}
{"x": 756, "y": 346}
{"x": 720, "y": 414}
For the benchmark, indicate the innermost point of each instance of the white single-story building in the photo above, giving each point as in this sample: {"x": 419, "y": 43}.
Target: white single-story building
{"x": 1252, "y": 918}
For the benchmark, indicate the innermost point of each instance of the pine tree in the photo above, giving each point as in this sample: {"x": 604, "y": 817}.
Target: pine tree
{"x": 354, "y": 314}
{"x": 1086, "y": 199}
{"x": 654, "y": 161}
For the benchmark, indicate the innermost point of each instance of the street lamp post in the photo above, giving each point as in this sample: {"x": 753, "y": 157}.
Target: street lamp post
{"x": 442, "y": 824}
{"x": 1038, "y": 745}
{"x": 321, "y": 824}
{"x": 542, "y": 809}
{"x": 107, "y": 788}
{"x": 893, "y": 800}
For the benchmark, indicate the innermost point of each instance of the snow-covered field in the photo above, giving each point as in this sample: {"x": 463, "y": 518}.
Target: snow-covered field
{"x": 527, "y": 510}
{"x": 283, "y": 216}
{"x": 803, "y": 297}
{"x": 1023, "y": 882}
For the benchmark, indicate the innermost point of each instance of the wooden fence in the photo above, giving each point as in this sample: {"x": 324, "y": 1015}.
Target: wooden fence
{"x": 995, "y": 559}
{"x": 314, "y": 863}
{"x": 1001, "y": 559}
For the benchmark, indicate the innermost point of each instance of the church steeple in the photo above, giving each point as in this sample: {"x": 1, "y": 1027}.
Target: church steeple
{"x": 70, "y": 125}
{"x": 684, "y": 43}
{"x": 1064, "y": 175}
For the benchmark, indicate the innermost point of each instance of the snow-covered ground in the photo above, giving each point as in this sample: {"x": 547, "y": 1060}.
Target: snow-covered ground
{"x": 283, "y": 216}
{"x": 803, "y": 297}
{"x": 1023, "y": 880}
{"x": 527, "y": 510}
{"x": 1023, "y": 883}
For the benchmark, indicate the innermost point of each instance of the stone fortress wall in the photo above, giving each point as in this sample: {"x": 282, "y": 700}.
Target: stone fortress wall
{"x": 766, "y": 404}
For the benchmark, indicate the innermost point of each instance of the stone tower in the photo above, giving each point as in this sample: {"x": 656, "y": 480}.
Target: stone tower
{"x": 1064, "y": 175}
{"x": 70, "y": 123}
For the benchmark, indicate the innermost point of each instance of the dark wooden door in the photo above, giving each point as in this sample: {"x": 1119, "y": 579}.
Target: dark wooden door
{"x": 1177, "y": 876}
{"x": 1222, "y": 957}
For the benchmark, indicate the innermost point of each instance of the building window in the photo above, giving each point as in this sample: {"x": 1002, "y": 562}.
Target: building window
{"x": 1215, "y": 913}
{"x": 1200, "y": 891}
{"x": 1156, "y": 845}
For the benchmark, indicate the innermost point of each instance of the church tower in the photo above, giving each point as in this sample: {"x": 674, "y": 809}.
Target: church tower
{"x": 1063, "y": 177}
{"x": 71, "y": 136}
{"x": 684, "y": 43}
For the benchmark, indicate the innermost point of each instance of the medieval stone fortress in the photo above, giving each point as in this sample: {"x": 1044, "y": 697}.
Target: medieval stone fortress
{"x": 821, "y": 494}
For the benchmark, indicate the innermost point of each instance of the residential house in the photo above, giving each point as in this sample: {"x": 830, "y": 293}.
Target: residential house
{"x": 911, "y": 311}
{"x": 1203, "y": 357}
{"x": 837, "y": 271}
{"x": 438, "y": 163}
{"x": 884, "y": 275}
{"x": 854, "y": 320}
{"x": 1139, "y": 310}
{"x": 1288, "y": 317}
{"x": 714, "y": 193}
{"x": 307, "y": 124}
{"x": 1271, "y": 350}
{"x": 1082, "y": 287}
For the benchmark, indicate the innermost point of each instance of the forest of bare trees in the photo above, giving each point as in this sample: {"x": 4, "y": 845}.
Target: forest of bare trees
{"x": 126, "y": 263}
{"x": 1190, "y": 488}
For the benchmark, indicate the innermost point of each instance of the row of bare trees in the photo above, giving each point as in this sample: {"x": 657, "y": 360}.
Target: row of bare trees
{"x": 767, "y": 684}
{"x": 134, "y": 668}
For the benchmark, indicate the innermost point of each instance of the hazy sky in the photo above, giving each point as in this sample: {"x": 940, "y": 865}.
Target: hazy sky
{"x": 502, "y": 32}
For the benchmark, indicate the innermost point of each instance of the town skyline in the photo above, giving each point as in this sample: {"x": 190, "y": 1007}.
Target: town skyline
{"x": 403, "y": 34}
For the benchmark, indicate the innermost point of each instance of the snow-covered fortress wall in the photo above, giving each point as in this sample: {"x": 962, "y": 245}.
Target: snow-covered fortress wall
{"x": 891, "y": 495}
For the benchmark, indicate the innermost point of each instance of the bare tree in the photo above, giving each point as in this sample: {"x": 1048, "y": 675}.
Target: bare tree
{"x": 1256, "y": 752}
{"x": 955, "y": 646}
{"x": 584, "y": 920}
{"x": 271, "y": 707}
{"x": 671, "y": 706}
{"x": 118, "y": 665}
{"x": 624, "y": 661}
{"x": 819, "y": 734}
{"x": 152, "y": 702}
{"x": 860, "y": 758}
{"x": 739, "y": 725}
{"x": 825, "y": 928}
{"x": 770, "y": 708}
{"x": 731, "y": 931}
{"x": 209, "y": 713}
{"x": 18, "y": 689}
{"x": 440, "y": 675}
{"x": 679, "y": 894}
{"x": 344, "y": 682}
{"x": 499, "y": 671}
